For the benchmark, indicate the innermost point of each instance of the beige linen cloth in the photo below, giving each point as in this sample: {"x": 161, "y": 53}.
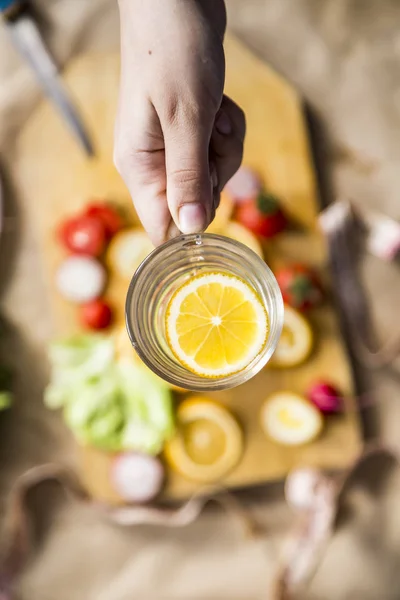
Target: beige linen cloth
{"x": 344, "y": 56}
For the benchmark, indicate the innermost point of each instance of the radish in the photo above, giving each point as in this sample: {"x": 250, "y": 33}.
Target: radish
{"x": 325, "y": 397}
{"x": 81, "y": 279}
{"x": 244, "y": 185}
{"x": 137, "y": 477}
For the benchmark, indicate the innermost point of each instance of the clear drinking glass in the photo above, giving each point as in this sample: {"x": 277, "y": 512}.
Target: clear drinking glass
{"x": 164, "y": 271}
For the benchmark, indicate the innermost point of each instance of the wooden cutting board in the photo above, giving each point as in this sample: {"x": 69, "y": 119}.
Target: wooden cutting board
{"x": 56, "y": 179}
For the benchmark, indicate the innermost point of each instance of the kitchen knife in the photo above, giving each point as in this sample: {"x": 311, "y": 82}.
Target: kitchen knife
{"x": 29, "y": 42}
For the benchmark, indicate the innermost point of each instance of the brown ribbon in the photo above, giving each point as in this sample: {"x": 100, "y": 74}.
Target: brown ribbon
{"x": 298, "y": 563}
{"x": 17, "y": 538}
{"x": 307, "y": 543}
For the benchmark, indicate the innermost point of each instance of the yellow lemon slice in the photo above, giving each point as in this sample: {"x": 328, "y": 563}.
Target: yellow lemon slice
{"x": 208, "y": 443}
{"x": 296, "y": 341}
{"x": 239, "y": 233}
{"x": 290, "y": 419}
{"x": 216, "y": 325}
{"x": 127, "y": 250}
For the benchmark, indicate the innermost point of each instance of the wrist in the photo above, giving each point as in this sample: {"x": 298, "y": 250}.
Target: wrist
{"x": 213, "y": 10}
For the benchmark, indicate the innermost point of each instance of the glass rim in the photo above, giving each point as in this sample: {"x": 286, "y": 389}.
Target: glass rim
{"x": 209, "y": 384}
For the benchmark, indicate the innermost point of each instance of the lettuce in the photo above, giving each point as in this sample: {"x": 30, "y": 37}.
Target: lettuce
{"x": 5, "y": 383}
{"x": 5, "y": 400}
{"x": 110, "y": 403}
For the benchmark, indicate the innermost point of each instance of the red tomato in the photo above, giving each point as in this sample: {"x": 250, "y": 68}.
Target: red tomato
{"x": 84, "y": 235}
{"x": 96, "y": 314}
{"x": 299, "y": 286}
{"x": 108, "y": 215}
{"x": 262, "y": 215}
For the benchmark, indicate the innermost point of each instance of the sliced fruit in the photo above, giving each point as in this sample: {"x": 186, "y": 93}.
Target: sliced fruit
{"x": 237, "y": 232}
{"x": 127, "y": 250}
{"x": 296, "y": 341}
{"x": 222, "y": 215}
{"x": 290, "y": 419}
{"x": 137, "y": 478}
{"x": 208, "y": 443}
{"x": 243, "y": 185}
{"x": 216, "y": 325}
{"x": 80, "y": 279}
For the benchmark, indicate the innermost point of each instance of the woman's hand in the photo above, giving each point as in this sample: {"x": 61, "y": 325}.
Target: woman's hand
{"x": 178, "y": 140}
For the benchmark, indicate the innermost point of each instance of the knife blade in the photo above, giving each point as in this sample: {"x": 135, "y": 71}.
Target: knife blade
{"x": 28, "y": 40}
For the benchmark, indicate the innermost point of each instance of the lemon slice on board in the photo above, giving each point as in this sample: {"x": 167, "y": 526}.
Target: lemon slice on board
{"x": 296, "y": 341}
{"x": 290, "y": 419}
{"x": 239, "y": 233}
{"x": 127, "y": 250}
{"x": 216, "y": 325}
{"x": 208, "y": 443}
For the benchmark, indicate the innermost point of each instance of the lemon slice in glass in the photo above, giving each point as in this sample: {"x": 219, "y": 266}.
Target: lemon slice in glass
{"x": 290, "y": 419}
{"x": 296, "y": 341}
{"x": 208, "y": 443}
{"x": 216, "y": 325}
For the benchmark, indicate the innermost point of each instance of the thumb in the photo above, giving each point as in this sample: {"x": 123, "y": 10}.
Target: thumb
{"x": 189, "y": 185}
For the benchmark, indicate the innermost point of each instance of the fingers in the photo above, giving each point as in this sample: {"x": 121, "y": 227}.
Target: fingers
{"x": 175, "y": 165}
{"x": 189, "y": 186}
{"x": 140, "y": 159}
{"x": 227, "y": 140}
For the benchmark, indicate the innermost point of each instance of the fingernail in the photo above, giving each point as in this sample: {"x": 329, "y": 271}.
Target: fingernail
{"x": 213, "y": 175}
{"x": 192, "y": 218}
{"x": 223, "y": 123}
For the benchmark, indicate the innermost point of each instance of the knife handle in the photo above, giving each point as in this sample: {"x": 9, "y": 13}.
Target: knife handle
{"x": 10, "y": 8}
{"x": 6, "y": 4}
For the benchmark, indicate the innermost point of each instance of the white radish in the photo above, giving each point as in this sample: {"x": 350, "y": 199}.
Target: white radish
{"x": 81, "y": 279}
{"x": 137, "y": 478}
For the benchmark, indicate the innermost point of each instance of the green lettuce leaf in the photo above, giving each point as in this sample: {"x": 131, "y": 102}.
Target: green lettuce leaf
{"x": 5, "y": 400}
{"x": 109, "y": 403}
{"x": 5, "y": 383}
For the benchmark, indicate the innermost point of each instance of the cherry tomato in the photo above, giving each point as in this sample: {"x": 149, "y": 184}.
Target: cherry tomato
{"x": 84, "y": 235}
{"x": 300, "y": 286}
{"x": 108, "y": 215}
{"x": 96, "y": 314}
{"x": 262, "y": 215}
